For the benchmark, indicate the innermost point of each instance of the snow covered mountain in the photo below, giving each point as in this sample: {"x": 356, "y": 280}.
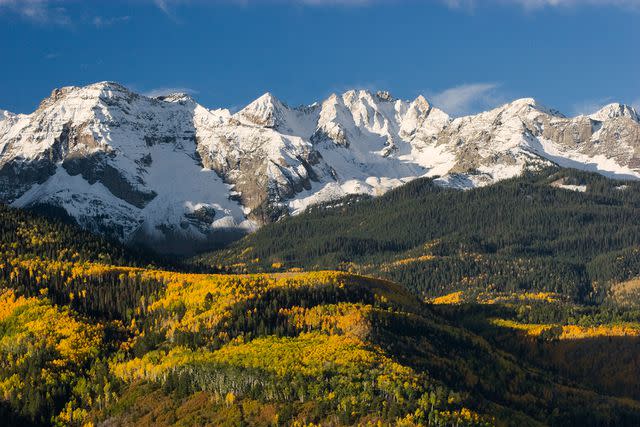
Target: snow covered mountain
{"x": 171, "y": 173}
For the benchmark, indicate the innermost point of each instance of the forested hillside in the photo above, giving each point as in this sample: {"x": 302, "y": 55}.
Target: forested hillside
{"x": 328, "y": 348}
{"x": 90, "y": 334}
{"x": 47, "y": 234}
{"x": 538, "y": 232}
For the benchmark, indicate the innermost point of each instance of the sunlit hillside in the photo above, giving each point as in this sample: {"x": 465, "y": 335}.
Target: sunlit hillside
{"x": 89, "y": 338}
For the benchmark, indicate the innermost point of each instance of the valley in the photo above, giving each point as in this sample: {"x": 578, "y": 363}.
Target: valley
{"x": 96, "y": 333}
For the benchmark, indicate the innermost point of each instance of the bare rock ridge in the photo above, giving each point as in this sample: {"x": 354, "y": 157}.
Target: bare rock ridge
{"x": 167, "y": 169}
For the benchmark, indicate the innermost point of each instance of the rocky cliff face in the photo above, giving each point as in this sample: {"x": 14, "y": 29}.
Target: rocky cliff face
{"x": 502, "y": 142}
{"x": 167, "y": 169}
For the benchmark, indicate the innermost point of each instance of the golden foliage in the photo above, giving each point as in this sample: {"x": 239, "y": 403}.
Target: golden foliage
{"x": 37, "y": 323}
{"x": 341, "y": 318}
{"x": 452, "y": 298}
{"x": 498, "y": 297}
{"x": 36, "y": 335}
{"x": 406, "y": 261}
{"x": 312, "y": 354}
{"x": 207, "y": 301}
{"x": 568, "y": 332}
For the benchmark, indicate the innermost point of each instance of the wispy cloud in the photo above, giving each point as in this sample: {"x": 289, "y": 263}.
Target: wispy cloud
{"x": 102, "y": 21}
{"x": 39, "y": 11}
{"x": 167, "y": 5}
{"x": 467, "y": 98}
{"x": 539, "y": 4}
{"x": 335, "y": 2}
{"x": 54, "y": 12}
{"x": 163, "y": 5}
{"x": 163, "y": 91}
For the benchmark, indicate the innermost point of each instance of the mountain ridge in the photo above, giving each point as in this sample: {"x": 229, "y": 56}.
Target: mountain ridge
{"x": 166, "y": 169}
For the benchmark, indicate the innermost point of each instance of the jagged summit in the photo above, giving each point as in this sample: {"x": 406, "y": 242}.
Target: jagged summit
{"x": 524, "y": 102}
{"x": 80, "y": 96}
{"x": 266, "y": 100}
{"x": 103, "y": 89}
{"x": 354, "y": 95}
{"x": 107, "y": 86}
{"x": 615, "y": 110}
{"x": 421, "y": 102}
{"x": 176, "y": 97}
{"x": 383, "y": 95}
{"x": 520, "y": 104}
{"x": 267, "y": 111}
{"x": 166, "y": 169}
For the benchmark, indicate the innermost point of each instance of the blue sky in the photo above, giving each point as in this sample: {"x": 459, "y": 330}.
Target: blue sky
{"x": 464, "y": 55}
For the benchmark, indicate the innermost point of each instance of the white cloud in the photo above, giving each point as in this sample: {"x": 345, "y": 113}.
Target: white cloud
{"x": 538, "y": 4}
{"x": 101, "y": 21}
{"x": 168, "y": 6}
{"x": 163, "y": 91}
{"x": 163, "y": 5}
{"x": 528, "y": 4}
{"x": 467, "y": 98}
{"x": 334, "y": 2}
{"x": 53, "y": 12}
{"x": 40, "y": 11}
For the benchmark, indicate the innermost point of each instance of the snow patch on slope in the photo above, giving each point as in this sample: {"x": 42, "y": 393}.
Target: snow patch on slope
{"x": 182, "y": 188}
{"x": 598, "y": 163}
{"x": 92, "y": 205}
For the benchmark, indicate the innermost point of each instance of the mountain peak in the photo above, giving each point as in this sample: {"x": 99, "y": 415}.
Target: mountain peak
{"x": 355, "y": 94}
{"x": 352, "y": 94}
{"x": 267, "y": 98}
{"x": 421, "y": 103}
{"x": 384, "y": 95}
{"x": 526, "y": 105}
{"x": 107, "y": 85}
{"x": 614, "y": 110}
{"x": 354, "y": 97}
{"x": 269, "y": 159}
{"x": 94, "y": 91}
{"x": 267, "y": 110}
{"x": 524, "y": 102}
{"x": 176, "y": 97}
